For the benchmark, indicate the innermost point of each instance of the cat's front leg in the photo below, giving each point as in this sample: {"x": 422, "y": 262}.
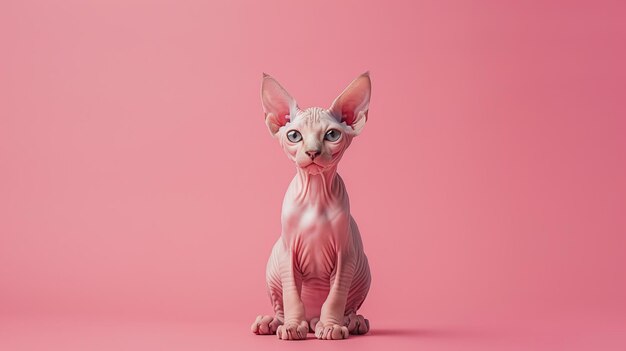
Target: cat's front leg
{"x": 295, "y": 326}
{"x": 331, "y": 325}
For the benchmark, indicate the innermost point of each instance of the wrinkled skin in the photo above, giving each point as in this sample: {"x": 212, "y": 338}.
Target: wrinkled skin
{"x": 317, "y": 274}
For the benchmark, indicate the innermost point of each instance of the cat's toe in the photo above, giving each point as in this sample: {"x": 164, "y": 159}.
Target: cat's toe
{"x": 331, "y": 331}
{"x": 293, "y": 330}
{"x": 264, "y": 325}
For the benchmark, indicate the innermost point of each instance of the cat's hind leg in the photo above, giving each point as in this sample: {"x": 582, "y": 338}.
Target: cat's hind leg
{"x": 356, "y": 323}
{"x": 266, "y": 324}
{"x": 313, "y": 324}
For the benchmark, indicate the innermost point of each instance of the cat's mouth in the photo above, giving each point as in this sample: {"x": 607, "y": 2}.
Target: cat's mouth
{"x": 314, "y": 168}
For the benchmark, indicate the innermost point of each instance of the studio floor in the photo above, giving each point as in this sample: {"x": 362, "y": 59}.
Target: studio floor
{"x": 77, "y": 333}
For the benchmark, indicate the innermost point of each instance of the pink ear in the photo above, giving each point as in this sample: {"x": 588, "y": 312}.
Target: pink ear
{"x": 352, "y": 104}
{"x": 278, "y": 105}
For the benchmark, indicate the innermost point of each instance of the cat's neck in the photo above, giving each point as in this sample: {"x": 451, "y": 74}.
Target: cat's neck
{"x": 312, "y": 187}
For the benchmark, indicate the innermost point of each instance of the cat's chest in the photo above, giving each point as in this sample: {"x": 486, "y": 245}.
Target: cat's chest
{"x": 314, "y": 222}
{"x": 314, "y": 235}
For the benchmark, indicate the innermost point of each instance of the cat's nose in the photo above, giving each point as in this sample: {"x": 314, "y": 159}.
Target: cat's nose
{"x": 313, "y": 154}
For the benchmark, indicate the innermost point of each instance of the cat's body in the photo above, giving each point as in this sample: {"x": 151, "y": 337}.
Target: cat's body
{"x": 317, "y": 274}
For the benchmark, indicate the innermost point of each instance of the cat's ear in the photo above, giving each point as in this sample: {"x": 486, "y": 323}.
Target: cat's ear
{"x": 278, "y": 105}
{"x": 352, "y": 104}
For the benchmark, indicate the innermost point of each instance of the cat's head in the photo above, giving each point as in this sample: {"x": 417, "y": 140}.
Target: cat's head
{"x": 315, "y": 138}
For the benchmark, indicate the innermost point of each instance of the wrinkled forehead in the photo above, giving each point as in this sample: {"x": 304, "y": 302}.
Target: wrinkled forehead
{"x": 313, "y": 117}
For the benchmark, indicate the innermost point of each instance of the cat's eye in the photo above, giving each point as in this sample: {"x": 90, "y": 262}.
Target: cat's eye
{"x": 294, "y": 136}
{"x": 332, "y": 135}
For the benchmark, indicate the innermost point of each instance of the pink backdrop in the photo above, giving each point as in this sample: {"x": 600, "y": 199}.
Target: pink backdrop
{"x": 140, "y": 190}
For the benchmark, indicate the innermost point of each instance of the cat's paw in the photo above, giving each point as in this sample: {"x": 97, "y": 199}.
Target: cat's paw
{"x": 264, "y": 325}
{"x": 331, "y": 331}
{"x": 356, "y": 323}
{"x": 313, "y": 323}
{"x": 293, "y": 330}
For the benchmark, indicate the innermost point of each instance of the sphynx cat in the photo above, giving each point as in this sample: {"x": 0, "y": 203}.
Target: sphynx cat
{"x": 317, "y": 274}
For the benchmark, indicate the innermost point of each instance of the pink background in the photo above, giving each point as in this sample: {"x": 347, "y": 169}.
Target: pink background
{"x": 140, "y": 191}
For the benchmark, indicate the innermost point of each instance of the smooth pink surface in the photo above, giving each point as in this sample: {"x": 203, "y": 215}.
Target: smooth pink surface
{"x": 134, "y": 162}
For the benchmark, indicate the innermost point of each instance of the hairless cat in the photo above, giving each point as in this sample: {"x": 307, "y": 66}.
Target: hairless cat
{"x": 317, "y": 274}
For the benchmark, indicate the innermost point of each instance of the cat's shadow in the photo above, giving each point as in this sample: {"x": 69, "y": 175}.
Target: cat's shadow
{"x": 420, "y": 333}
